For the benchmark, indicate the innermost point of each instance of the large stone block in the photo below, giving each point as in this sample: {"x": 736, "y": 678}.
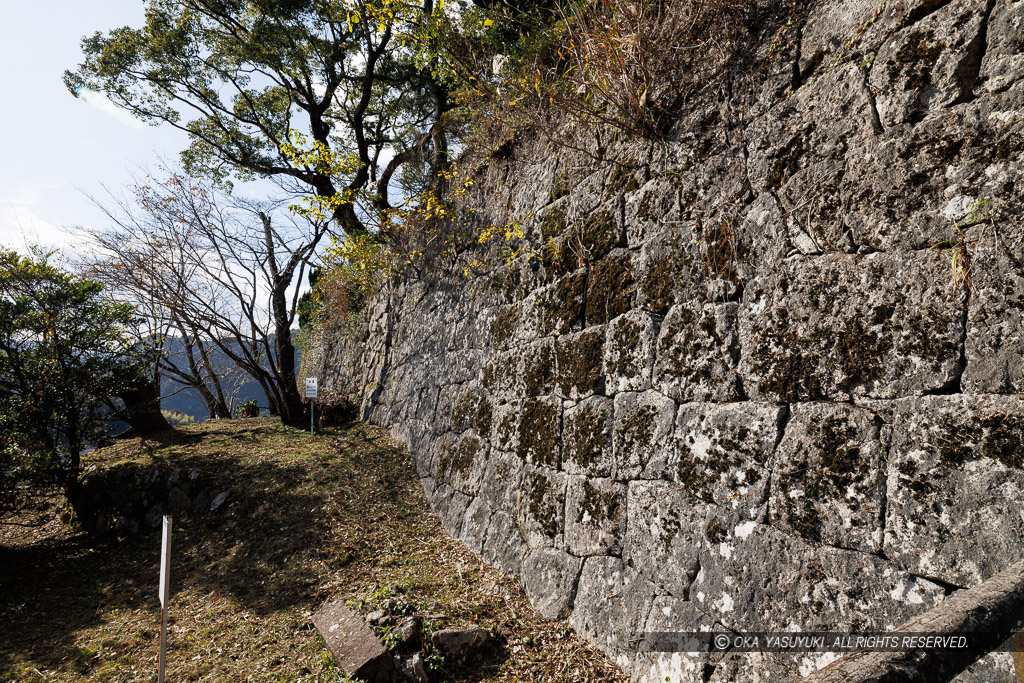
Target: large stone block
{"x": 751, "y": 667}
{"x": 656, "y": 204}
{"x": 797, "y": 151}
{"x": 501, "y": 480}
{"x": 956, "y": 486}
{"x": 830, "y": 327}
{"x": 722, "y": 453}
{"x": 549, "y": 579}
{"x": 450, "y": 506}
{"x": 921, "y": 188}
{"x": 560, "y": 307}
{"x": 502, "y": 376}
{"x": 629, "y": 352}
{"x": 595, "y": 516}
{"x": 995, "y": 319}
{"x": 828, "y": 482}
{"x": 1003, "y": 62}
{"x": 836, "y": 29}
{"x": 537, "y": 368}
{"x": 667, "y": 270}
{"x": 931, "y": 64}
{"x": 612, "y": 603}
{"x": 539, "y": 431}
{"x": 504, "y": 434}
{"x": 663, "y": 534}
{"x": 672, "y": 615}
{"x": 473, "y": 530}
{"x": 756, "y": 578}
{"x": 461, "y": 462}
{"x": 541, "y": 506}
{"x": 357, "y": 651}
{"x": 611, "y": 287}
{"x": 504, "y": 546}
{"x": 578, "y": 363}
{"x": 643, "y": 428}
{"x": 697, "y": 352}
{"x": 504, "y": 324}
{"x": 587, "y": 437}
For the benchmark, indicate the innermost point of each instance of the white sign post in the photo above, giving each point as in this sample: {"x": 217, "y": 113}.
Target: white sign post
{"x": 311, "y": 391}
{"x": 165, "y": 592}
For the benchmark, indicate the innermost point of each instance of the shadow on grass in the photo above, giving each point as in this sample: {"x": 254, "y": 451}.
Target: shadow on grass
{"x": 266, "y": 549}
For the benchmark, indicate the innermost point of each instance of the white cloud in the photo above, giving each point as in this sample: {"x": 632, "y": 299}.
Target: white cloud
{"x": 100, "y": 101}
{"x": 27, "y": 218}
{"x": 21, "y": 227}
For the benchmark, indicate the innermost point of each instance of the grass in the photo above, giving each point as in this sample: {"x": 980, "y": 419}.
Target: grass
{"x": 308, "y": 519}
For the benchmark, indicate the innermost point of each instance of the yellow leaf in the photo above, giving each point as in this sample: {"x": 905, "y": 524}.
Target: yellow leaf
{"x": 488, "y": 22}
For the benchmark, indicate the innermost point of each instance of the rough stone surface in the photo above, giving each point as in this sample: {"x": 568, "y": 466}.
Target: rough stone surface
{"x": 722, "y": 453}
{"x": 643, "y": 426}
{"x": 956, "y": 486}
{"x": 664, "y": 520}
{"x": 696, "y": 357}
{"x": 459, "y": 644}
{"x": 415, "y": 669}
{"x": 828, "y": 483}
{"x": 595, "y": 515}
{"x": 769, "y": 375}
{"x": 617, "y": 601}
{"x": 995, "y": 320}
{"x": 988, "y": 611}
{"x": 629, "y": 352}
{"x": 836, "y": 326}
{"x": 750, "y": 569}
{"x": 587, "y": 437}
{"x": 549, "y": 577}
{"x": 357, "y": 651}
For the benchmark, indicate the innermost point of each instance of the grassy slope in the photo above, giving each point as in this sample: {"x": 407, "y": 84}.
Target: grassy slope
{"x": 308, "y": 518}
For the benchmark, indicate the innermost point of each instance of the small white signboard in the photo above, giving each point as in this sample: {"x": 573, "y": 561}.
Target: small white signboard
{"x": 311, "y": 387}
{"x": 165, "y": 594}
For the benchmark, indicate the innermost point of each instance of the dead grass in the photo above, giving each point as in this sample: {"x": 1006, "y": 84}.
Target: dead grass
{"x": 308, "y": 518}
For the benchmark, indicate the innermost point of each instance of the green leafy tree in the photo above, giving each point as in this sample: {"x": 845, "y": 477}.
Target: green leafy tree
{"x": 65, "y": 352}
{"x": 321, "y": 95}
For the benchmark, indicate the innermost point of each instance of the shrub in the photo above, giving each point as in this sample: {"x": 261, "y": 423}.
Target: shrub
{"x": 601, "y": 63}
{"x": 177, "y": 419}
{"x": 248, "y": 409}
{"x": 629, "y": 64}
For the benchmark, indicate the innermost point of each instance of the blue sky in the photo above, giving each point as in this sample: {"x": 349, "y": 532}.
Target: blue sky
{"x": 55, "y": 146}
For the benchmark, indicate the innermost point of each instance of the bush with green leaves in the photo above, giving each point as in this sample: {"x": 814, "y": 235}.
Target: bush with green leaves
{"x": 248, "y": 409}
{"x": 65, "y": 352}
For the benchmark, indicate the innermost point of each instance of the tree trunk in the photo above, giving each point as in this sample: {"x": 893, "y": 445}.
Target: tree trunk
{"x": 293, "y": 409}
{"x": 142, "y": 408}
{"x": 216, "y": 409}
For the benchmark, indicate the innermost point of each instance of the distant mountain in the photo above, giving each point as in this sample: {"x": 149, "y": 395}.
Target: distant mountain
{"x": 175, "y": 396}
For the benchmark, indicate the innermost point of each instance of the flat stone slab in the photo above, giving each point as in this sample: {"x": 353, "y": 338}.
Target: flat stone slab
{"x": 357, "y": 651}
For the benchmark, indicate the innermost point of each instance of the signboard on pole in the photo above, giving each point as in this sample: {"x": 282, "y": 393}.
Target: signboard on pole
{"x": 165, "y": 593}
{"x": 311, "y": 394}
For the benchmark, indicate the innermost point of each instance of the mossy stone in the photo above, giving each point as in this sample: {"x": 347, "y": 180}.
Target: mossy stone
{"x": 579, "y": 360}
{"x": 610, "y": 289}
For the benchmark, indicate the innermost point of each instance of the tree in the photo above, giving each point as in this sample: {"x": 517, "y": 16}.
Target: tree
{"x": 218, "y": 270}
{"x": 316, "y": 93}
{"x": 65, "y": 353}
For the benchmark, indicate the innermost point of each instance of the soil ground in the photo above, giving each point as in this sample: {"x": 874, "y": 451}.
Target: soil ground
{"x": 338, "y": 515}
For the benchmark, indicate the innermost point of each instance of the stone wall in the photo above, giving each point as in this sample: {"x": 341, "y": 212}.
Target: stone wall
{"x": 749, "y": 388}
{"x": 127, "y": 499}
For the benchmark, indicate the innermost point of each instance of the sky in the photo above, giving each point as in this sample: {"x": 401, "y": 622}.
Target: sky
{"x": 56, "y": 148}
